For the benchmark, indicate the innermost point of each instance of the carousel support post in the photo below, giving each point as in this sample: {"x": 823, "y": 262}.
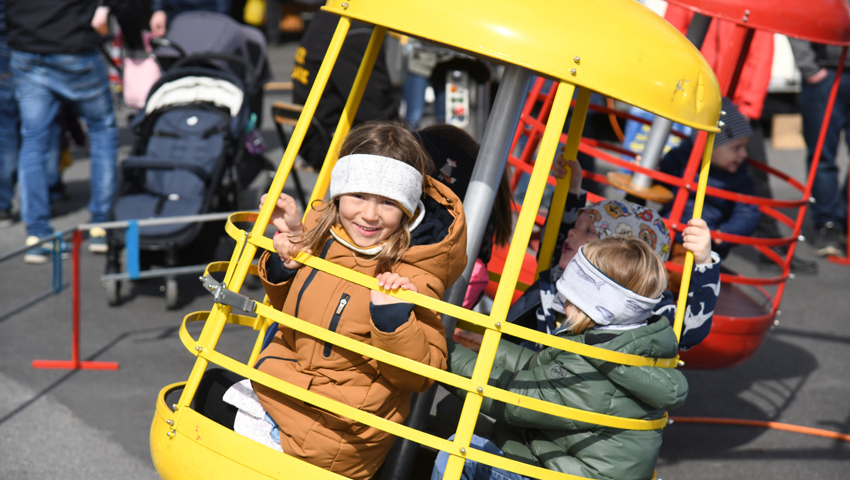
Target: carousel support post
{"x": 477, "y": 204}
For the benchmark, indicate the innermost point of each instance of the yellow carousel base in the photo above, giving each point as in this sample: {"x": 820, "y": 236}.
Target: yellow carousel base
{"x": 197, "y": 447}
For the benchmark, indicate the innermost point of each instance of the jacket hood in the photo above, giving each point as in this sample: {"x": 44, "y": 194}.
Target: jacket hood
{"x": 444, "y": 257}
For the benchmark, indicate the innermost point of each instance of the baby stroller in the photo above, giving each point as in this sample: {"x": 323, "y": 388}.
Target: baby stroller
{"x": 190, "y": 156}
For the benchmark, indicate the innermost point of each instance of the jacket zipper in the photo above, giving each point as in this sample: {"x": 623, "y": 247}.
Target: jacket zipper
{"x": 343, "y": 301}
{"x": 308, "y": 281}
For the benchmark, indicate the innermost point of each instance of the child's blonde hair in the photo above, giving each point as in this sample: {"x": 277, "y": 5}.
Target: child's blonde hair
{"x": 386, "y": 138}
{"x": 629, "y": 262}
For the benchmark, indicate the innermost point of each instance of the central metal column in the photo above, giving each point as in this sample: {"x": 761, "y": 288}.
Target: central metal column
{"x": 477, "y": 205}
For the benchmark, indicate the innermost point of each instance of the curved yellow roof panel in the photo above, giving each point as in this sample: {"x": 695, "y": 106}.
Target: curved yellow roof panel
{"x": 615, "y": 47}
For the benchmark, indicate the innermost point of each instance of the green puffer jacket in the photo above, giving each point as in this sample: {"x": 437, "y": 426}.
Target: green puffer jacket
{"x": 565, "y": 378}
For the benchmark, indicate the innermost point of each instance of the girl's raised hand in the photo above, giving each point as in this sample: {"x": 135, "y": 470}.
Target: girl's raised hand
{"x": 697, "y": 239}
{"x": 286, "y": 250}
{"x": 391, "y": 281}
{"x": 285, "y": 216}
{"x": 559, "y": 169}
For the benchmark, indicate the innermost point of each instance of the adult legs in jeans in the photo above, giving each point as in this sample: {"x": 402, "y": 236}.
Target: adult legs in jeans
{"x": 474, "y": 470}
{"x": 81, "y": 79}
{"x": 768, "y": 227}
{"x": 413, "y": 92}
{"x": 830, "y": 204}
{"x": 9, "y": 140}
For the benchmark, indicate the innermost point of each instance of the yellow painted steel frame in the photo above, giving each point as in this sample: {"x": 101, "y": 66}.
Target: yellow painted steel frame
{"x": 688, "y": 267}
{"x": 559, "y": 199}
{"x": 186, "y": 444}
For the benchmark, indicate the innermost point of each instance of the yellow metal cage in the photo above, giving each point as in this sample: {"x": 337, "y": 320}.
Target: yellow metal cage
{"x": 614, "y": 47}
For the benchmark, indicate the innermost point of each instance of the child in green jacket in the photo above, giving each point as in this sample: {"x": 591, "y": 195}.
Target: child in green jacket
{"x": 606, "y": 296}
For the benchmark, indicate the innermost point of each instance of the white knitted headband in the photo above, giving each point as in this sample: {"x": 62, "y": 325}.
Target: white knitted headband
{"x": 602, "y": 299}
{"x": 377, "y": 175}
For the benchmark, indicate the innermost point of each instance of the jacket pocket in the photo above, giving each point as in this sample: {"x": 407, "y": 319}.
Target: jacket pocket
{"x": 343, "y": 301}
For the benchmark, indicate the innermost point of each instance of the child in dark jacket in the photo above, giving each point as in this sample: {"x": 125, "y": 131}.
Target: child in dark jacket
{"x": 728, "y": 157}
{"x": 606, "y": 297}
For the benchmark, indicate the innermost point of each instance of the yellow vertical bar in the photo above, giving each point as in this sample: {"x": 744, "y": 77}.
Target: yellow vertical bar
{"x": 507, "y": 284}
{"x": 212, "y": 331}
{"x": 304, "y": 119}
{"x": 234, "y": 257}
{"x": 267, "y": 323}
{"x": 209, "y": 338}
{"x": 236, "y": 275}
{"x": 688, "y": 267}
{"x": 351, "y": 105}
{"x": 559, "y": 200}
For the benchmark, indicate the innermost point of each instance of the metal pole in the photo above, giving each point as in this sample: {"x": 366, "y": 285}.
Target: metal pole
{"x": 661, "y": 126}
{"x": 488, "y": 171}
{"x": 489, "y": 167}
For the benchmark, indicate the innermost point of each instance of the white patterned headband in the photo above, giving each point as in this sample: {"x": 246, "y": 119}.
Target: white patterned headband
{"x": 377, "y": 175}
{"x": 603, "y": 300}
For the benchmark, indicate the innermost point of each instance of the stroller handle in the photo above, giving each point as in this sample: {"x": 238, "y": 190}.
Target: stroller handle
{"x": 199, "y": 58}
{"x": 166, "y": 43}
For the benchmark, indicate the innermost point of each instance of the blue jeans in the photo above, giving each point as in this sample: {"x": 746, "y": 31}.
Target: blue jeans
{"x": 41, "y": 82}
{"x": 8, "y": 128}
{"x": 413, "y": 92}
{"x": 830, "y": 203}
{"x": 474, "y": 470}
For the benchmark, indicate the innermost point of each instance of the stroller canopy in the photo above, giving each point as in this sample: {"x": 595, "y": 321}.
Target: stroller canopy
{"x": 208, "y": 32}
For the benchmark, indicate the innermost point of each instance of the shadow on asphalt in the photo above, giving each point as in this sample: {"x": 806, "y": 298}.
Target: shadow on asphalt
{"x": 64, "y": 378}
{"x": 760, "y": 389}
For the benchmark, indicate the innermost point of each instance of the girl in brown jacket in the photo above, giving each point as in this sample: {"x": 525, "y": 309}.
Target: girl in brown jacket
{"x": 387, "y": 219}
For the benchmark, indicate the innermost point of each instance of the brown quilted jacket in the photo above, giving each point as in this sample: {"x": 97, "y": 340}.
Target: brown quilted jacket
{"x": 324, "y": 439}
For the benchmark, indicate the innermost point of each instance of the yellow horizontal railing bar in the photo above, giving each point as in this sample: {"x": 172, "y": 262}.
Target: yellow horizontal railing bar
{"x": 435, "y": 373}
{"x": 222, "y": 266}
{"x": 495, "y": 277}
{"x": 358, "y": 415}
{"x": 476, "y": 318}
{"x": 487, "y": 321}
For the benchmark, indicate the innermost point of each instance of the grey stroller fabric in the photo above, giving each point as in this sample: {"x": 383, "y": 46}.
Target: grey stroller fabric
{"x": 184, "y": 160}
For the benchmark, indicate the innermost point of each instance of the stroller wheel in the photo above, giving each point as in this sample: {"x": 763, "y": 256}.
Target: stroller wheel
{"x": 113, "y": 287}
{"x": 113, "y": 292}
{"x": 171, "y": 293}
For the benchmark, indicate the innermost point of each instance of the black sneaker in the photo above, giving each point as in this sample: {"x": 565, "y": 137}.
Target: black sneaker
{"x": 6, "y": 218}
{"x": 798, "y": 265}
{"x": 830, "y": 240}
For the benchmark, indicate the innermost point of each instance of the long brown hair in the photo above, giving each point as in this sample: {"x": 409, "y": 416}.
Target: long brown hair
{"x": 628, "y": 261}
{"x": 387, "y": 138}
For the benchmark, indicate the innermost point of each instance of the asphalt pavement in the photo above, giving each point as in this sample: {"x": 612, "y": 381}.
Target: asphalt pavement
{"x": 94, "y": 424}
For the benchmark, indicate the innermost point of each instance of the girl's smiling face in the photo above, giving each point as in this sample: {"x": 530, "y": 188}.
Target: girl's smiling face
{"x": 584, "y": 231}
{"x": 369, "y": 219}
